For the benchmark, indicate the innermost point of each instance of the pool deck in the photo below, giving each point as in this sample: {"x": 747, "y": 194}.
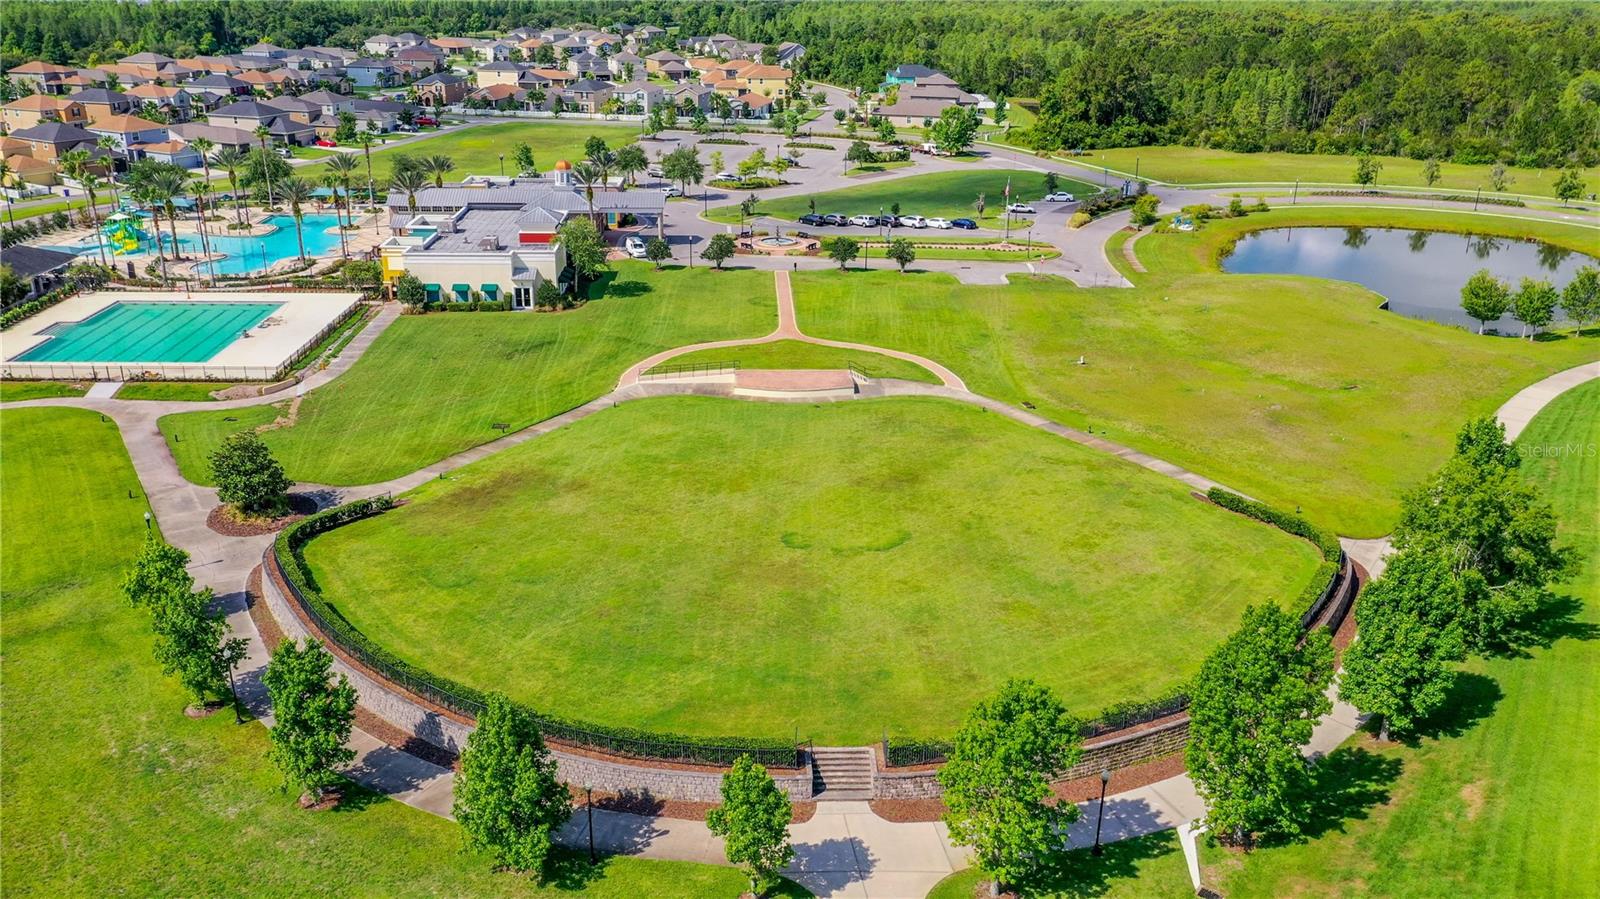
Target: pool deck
{"x": 301, "y": 320}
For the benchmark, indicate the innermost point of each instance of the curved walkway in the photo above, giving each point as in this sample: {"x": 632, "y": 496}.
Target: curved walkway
{"x": 843, "y": 850}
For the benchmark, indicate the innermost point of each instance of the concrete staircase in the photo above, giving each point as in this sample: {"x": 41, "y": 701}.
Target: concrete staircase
{"x": 842, "y": 773}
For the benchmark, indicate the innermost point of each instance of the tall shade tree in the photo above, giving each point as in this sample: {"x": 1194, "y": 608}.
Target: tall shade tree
{"x": 585, "y": 248}
{"x": 247, "y": 476}
{"x": 630, "y": 162}
{"x": 1410, "y": 633}
{"x": 1534, "y": 305}
{"x": 507, "y": 797}
{"x": 1485, "y": 297}
{"x": 1253, "y": 704}
{"x": 297, "y": 193}
{"x": 1581, "y": 298}
{"x": 587, "y": 174}
{"x": 191, "y": 635}
{"x": 331, "y": 182}
{"x": 720, "y": 249}
{"x": 997, "y": 780}
{"x": 683, "y": 165}
{"x": 602, "y": 160}
{"x": 312, "y": 716}
{"x": 753, "y": 821}
{"x": 1569, "y": 186}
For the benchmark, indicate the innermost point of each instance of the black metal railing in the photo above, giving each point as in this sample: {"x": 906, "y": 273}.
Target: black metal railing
{"x": 285, "y": 556}
{"x": 691, "y": 369}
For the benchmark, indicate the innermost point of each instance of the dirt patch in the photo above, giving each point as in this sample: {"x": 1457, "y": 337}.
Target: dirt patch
{"x": 223, "y": 520}
{"x": 205, "y": 710}
{"x": 330, "y": 799}
{"x": 1472, "y": 796}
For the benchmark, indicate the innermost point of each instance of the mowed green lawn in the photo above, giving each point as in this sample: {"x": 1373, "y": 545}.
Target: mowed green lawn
{"x": 934, "y": 195}
{"x": 433, "y": 385}
{"x": 799, "y": 354}
{"x": 17, "y": 391}
{"x": 713, "y": 567}
{"x": 109, "y": 789}
{"x": 1299, "y": 391}
{"x": 477, "y": 150}
{"x": 1197, "y": 165}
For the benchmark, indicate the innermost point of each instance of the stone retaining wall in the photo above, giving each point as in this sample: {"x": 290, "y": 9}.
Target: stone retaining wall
{"x": 446, "y": 732}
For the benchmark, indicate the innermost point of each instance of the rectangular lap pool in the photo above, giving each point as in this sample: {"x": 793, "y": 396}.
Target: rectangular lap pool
{"x": 150, "y": 332}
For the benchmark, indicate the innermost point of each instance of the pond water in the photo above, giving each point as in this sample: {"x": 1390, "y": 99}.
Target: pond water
{"x": 1420, "y": 272}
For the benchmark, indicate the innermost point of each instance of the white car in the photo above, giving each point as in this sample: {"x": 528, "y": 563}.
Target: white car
{"x": 939, "y": 223}
{"x": 635, "y": 246}
{"x": 727, "y": 176}
{"x": 672, "y": 191}
{"x": 864, "y": 221}
{"x": 1060, "y": 196}
{"x": 655, "y": 172}
{"x": 1021, "y": 209}
{"x": 913, "y": 221}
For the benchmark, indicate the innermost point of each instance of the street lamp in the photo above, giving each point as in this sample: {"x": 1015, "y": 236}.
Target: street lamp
{"x": 1105, "y": 778}
{"x": 589, "y": 807}
{"x": 502, "y": 165}
{"x": 234, "y": 690}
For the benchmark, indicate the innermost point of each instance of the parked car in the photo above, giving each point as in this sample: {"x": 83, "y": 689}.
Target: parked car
{"x": 726, "y": 176}
{"x": 889, "y": 221}
{"x": 286, "y": 152}
{"x": 1060, "y": 196}
{"x": 655, "y": 172}
{"x": 1021, "y": 209}
{"x": 968, "y": 224}
{"x": 324, "y": 142}
{"x": 427, "y": 121}
{"x": 635, "y": 246}
{"x": 836, "y": 219}
{"x": 672, "y": 190}
{"x": 864, "y": 221}
{"x": 938, "y": 223}
{"x": 913, "y": 221}
{"x": 812, "y": 219}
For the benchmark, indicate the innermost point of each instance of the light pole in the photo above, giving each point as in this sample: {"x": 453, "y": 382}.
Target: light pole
{"x": 1100, "y": 816}
{"x": 1294, "y": 200}
{"x": 588, "y": 805}
{"x": 502, "y": 165}
{"x": 237, "y": 718}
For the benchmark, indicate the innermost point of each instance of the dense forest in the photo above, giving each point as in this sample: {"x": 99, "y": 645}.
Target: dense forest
{"x": 1472, "y": 82}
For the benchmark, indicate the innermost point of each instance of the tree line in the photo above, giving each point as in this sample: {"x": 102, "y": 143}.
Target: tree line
{"x": 1474, "y": 83}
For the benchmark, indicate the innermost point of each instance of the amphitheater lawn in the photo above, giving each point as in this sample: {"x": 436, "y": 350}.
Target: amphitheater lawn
{"x": 477, "y": 150}
{"x": 799, "y": 354}
{"x": 433, "y": 385}
{"x": 108, "y": 787}
{"x": 1198, "y": 165}
{"x": 936, "y": 194}
{"x": 714, "y": 567}
{"x": 1298, "y": 391}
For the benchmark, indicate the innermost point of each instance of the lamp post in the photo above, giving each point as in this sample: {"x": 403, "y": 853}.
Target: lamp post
{"x": 1100, "y": 816}
{"x": 1294, "y": 200}
{"x": 502, "y": 165}
{"x": 588, "y": 804}
{"x": 234, "y": 690}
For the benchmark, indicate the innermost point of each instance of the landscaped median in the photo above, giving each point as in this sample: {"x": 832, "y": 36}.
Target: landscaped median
{"x": 949, "y": 195}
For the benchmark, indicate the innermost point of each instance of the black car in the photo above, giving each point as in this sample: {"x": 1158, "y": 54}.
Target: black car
{"x": 812, "y": 219}
{"x": 968, "y": 224}
{"x": 888, "y": 221}
{"x": 834, "y": 218}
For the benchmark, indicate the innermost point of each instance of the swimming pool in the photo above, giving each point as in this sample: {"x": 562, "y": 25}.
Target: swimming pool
{"x": 241, "y": 255}
{"x": 149, "y": 332}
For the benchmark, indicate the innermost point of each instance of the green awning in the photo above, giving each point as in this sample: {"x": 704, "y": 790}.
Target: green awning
{"x": 459, "y": 288}
{"x": 491, "y": 290}
{"x": 431, "y": 288}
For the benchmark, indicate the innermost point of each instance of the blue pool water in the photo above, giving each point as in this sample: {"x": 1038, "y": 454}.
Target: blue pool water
{"x": 150, "y": 332}
{"x": 243, "y": 255}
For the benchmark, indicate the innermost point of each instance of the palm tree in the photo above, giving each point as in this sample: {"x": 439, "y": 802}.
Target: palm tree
{"x": 409, "y": 181}
{"x": 5, "y": 179}
{"x": 201, "y": 186}
{"x": 365, "y": 140}
{"x": 587, "y": 176}
{"x": 602, "y": 161}
{"x": 168, "y": 185}
{"x": 343, "y": 168}
{"x": 204, "y": 146}
{"x": 333, "y": 183}
{"x": 296, "y": 192}
{"x": 229, "y": 159}
{"x": 92, "y": 184}
{"x": 262, "y": 134}
{"x": 630, "y": 161}
{"x": 438, "y": 167}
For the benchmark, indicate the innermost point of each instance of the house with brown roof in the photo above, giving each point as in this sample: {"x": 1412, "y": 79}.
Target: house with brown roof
{"x": 174, "y": 102}
{"x": 129, "y": 130}
{"x": 99, "y": 103}
{"x": 442, "y": 89}
{"x": 35, "y": 108}
{"x": 768, "y": 81}
{"x": 270, "y": 81}
{"x": 43, "y": 76}
{"x": 499, "y": 96}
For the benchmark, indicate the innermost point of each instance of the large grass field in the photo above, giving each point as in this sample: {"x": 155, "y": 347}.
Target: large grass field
{"x": 477, "y": 150}
{"x": 1196, "y": 165}
{"x": 715, "y": 567}
{"x": 109, "y": 790}
{"x": 937, "y": 194}
{"x": 799, "y": 354}
{"x": 1296, "y": 390}
{"x": 433, "y": 385}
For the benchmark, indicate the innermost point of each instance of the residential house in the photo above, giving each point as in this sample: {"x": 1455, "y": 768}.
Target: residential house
{"x": 493, "y": 73}
{"x": 24, "y": 169}
{"x": 768, "y": 81}
{"x": 587, "y": 95}
{"x": 555, "y": 35}
{"x": 675, "y": 71}
{"x": 625, "y": 66}
{"x": 336, "y": 56}
{"x": 173, "y": 102}
{"x": 248, "y": 115}
{"x": 176, "y": 152}
{"x": 43, "y": 269}
{"x": 588, "y": 65}
{"x": 442, "y": 89}
{"x": 99, "y": 103}
{"x": 36, "y": 108}
{"x": 157, "y": 67}
{"x": 753, "y": 106}
{"x": 221, "y": 135}
{"x": 703, "y": 64}
{"x": 390, "y": 44}
{"x": 570, "y": 45}
{"x": 330, "y": 103}
{"x": 48, "y": 140}
{"x": 371, "y": 73}
{"x": 692, "y": 97}
{"x": 790, "y": 53}
{"x": 266, "y": 50}
{"x": 457, "y": 46}
{"x": 297, "y": 108}
{"x": 601, "y": 40}
{"x": 547, "y": 78}
{"x": 639, "y": 97}
{"x": 645, "y": 34}
{"x": 128, "y": 131}
{"x": 655, "y": 61}
{"x": 381, "y": 116}
{"x": 424, "y": 57}
{"x": 214, "y": 90}
{"x": 499, "y": 96}
{"x": 914, "y": 113}
{"x": 907, "y": 73}
{"x": 44, "y": 77}
{"x": 214, "y": 65}
{"x": 268, "y": 82}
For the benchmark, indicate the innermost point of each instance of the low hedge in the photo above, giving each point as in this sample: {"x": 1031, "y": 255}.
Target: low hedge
{"x": 1311, "y": 597}
{"x": 809, "y": 145}
{"x": 1408, "y": 195}
{"x": 288, "y": 549}
{"x": 80, "y": 277}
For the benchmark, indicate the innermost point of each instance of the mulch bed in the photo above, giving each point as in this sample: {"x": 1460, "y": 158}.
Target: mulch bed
{"x": 223, "y": 521}
{"x": 405, "y": 742}
{"x": 1083, "y": 789}
{"x": 266, "y": 625}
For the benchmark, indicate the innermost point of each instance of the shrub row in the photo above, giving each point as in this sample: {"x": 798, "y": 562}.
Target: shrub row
{"x": 28, "y": 229}
{"x": 1279, "y": 519}
{"x": 752, "y": 183}
{"x": 732, "y": 141}
{"x": 809, "y": 145}
{"x": 1406, "y": 195}
{"x": 80, "y": 277}
{"x": 627, "y": 741}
